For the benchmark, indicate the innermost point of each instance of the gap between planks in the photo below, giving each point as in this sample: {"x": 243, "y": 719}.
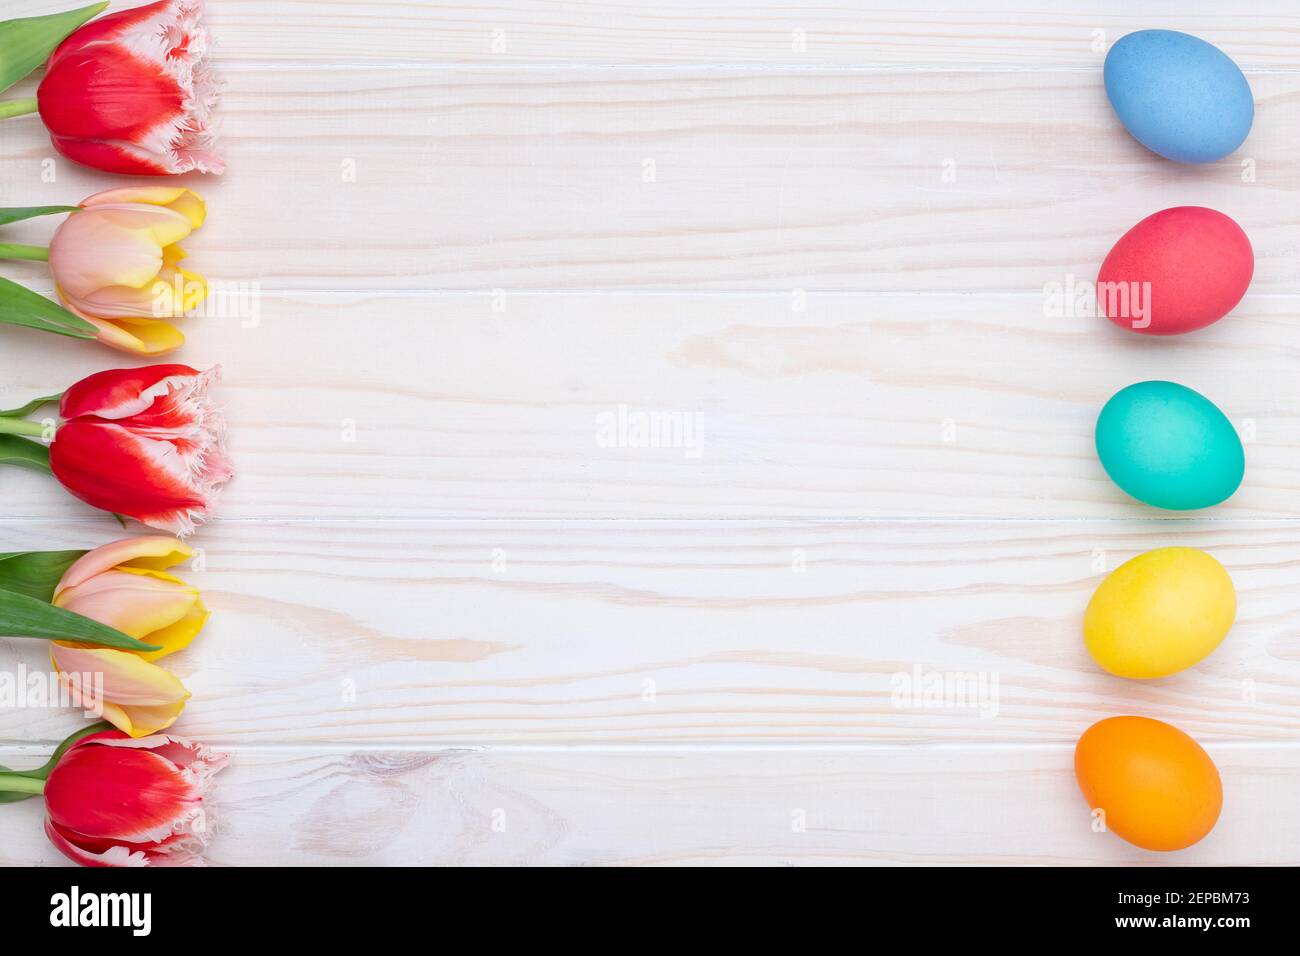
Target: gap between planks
{"x": 40, "y": 749}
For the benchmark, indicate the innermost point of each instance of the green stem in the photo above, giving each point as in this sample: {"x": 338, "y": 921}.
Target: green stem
{"x": 20, "y": 783}
{"x": 17, "y": 786}
{"x": 21, "y": 426}
{"x": 16, "y": 250}
{"x": 10, "y": 108}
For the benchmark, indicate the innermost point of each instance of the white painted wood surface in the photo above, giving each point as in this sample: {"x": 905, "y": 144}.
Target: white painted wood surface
{"x": 454, "y": 623}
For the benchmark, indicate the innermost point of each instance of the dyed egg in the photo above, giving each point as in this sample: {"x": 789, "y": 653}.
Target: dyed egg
{"x": 1178, "y": 95}
{"x": 1157, "y": 787}
{"x": 1159, "y": 613}
{"x": 1177, "y": 270}
{"x": 1169, "y": 446}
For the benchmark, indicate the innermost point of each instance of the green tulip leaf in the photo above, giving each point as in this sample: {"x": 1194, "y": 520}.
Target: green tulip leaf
{"x": 25, "y": 453}
{"x": 19, "y": 213}
{"x": 26, "y": 43}
{"x": 21, "y": 306}
{"x": 35, "y": 573}
{"x": 35, "y": 403}
{"x": 22, "y": 615}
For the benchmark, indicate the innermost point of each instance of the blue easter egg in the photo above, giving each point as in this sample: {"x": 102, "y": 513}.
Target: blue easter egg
{"x": 1178, "y": 95}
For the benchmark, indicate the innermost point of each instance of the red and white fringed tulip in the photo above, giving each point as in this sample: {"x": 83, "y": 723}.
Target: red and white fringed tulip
{"x": 144, "y": 442}
{"x": 132, "y": 92}
{"x": 116, "y": 801}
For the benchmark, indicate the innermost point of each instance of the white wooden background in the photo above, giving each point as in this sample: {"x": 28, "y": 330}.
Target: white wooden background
{"x": 473, "y": 634}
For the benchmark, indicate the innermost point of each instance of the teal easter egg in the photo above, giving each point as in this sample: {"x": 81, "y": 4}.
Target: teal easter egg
{"x": 1169, "y": 446}
{"x": 1178, "y": 95}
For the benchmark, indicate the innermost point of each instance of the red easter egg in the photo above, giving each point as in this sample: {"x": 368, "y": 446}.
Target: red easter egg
{"x": 1176, "y": 271}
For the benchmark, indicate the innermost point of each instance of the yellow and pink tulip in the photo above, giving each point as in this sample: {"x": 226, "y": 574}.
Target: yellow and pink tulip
{"x": 116, "y": 265}
{"x": 125, "y": 585}
{"x": 115, "y": 260}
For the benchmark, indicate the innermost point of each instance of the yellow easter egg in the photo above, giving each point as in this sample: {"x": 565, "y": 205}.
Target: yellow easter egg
{"x": 1159, "y": 613}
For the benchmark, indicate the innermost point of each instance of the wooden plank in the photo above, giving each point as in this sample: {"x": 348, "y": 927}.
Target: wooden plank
{"x": 874, "y": 32}
{"x": 828, "y": 406}
{"x": 793, "y": 807}
{"x": 488, "y": 632}
{"x": 727, "y": 179}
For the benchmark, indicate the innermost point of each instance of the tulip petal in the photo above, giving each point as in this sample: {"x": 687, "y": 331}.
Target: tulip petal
{"x": 190, "y": 205}
{"x": 127, "y": 678}
{"x": 114, "y": 156}
{"x": 110, "y": 467}
{"x": 132, "y": 600}
{"x": 179, "y": 635}
{"x": 185, "y": 201}
{"x": 113, "y": 26}
{"x": 201, "y": 761}
{"x": 140, "y": 720}
{"x": 155, "y": 552}
{"x": 121, "y": 794}
{"x": 138, "y": 336}
{"x": 132, "y": 92}
{"x": 113, "y": 800}
{"x": 152, "y": 606}
{"x": 159, "y": 458}
{"x": 151, "y": 227}
{"x": 162, "y": 225}
{"x": 116, "y": 265}
{"x": 107, "y": 246}
{"x": 154, "y": 481}
{"x": 139, "y": 698}
{"x": 122, "y": 393}
{"x": 112, "y": 854}
{"x": 170, "y": 294}
{"x": 180, "y": 849}
{"x": 103, "y": 95}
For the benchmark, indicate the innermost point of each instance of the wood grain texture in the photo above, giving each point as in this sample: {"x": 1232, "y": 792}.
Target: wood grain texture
{"x": 698, "y": 806}
{"x": 1026, "y": 33}
{"x": 769, "y": 406}
{"x": 814, "y": 244}
{"x": 489, "y": 632}
{"x": 469, "y": 178}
